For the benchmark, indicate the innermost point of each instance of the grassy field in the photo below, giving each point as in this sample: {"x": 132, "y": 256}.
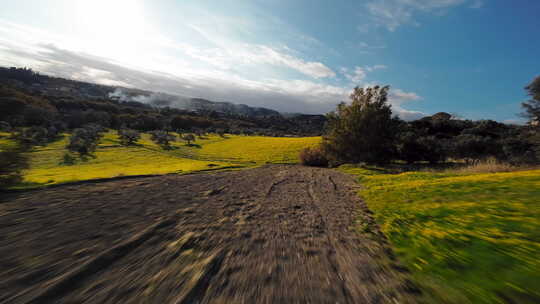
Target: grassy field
{"x": 111, "y": 159}
{"x": 257, "y": 149}
{"x": 467, "y": 238}
{"x": 5, "y": 142}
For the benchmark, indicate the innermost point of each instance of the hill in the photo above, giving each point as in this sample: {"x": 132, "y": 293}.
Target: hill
{"x": 53, "y": 87}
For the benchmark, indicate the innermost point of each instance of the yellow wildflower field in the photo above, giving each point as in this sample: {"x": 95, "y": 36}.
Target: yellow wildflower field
{"x": 212, "y": 152}
{"x": 467, "y": 238}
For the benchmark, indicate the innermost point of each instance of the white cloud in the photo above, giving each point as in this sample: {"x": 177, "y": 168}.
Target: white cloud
{"x": 477, "y": 4}
{"x": 394, "y": 13}
{"x": 376, "y": 67}
{"x": 398, "y": 97}
{"x": 265, "y": 54}
{"x": 207, "y": 72}
{"x": 229, "y": 53}
{"x": 359, "y": 74}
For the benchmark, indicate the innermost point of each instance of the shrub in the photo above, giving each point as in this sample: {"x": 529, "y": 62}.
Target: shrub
{"x": 409, "y": 148}
{"x": 518, "y": 150}
{"x": 128, "y": 137}
{"x": 473, "y": 148}
{"x": 434, "y": 150}
{"x": 313, "y": 156}
{"x": 490, "y": 165}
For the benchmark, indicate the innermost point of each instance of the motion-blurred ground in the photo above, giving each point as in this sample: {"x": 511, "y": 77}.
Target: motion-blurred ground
{"x": 275, "y": 234}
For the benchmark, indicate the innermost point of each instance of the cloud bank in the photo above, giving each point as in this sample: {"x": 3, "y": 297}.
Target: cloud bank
{"x": 213, "y": 72}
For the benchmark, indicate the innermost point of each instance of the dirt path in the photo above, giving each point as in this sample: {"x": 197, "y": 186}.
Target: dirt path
{"x": 277, "y": 234}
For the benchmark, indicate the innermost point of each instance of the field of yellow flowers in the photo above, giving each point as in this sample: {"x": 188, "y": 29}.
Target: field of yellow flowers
{"x": 467, "y": 238}
{"x": 212, "y": 152}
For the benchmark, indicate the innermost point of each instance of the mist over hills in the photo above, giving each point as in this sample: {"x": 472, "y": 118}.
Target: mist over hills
{"x": 28, "y": 97}
{"x": 54, "y": 86}
{"x": 159, "y": 99}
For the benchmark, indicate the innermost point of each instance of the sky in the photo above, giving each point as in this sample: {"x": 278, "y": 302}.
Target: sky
{"x": 470, "y": 58}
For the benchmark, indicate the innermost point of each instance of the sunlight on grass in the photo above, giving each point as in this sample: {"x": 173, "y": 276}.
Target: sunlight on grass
{"x": 112, "y": 159}
{"x": 6, "y": 143}
{"x": 257, "y": 149}
{"x": 468, "y": 238}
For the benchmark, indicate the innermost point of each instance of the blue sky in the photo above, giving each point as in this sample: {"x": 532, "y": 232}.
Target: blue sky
{"x": 467, "y": 57}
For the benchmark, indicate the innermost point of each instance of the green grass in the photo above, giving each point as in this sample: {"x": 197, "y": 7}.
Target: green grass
{"x": 467, "y": 238}
{"x": 112, "y": 159}
{"x": 6, "y": 143}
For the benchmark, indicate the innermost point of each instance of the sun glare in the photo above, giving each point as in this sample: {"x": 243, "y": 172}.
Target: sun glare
{"x": 118, "y": 22}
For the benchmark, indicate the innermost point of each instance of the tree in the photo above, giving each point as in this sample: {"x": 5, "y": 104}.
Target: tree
{"x": 532, "y": 106}
{"x": 128, "y": 137}
{"x": 162, "y": 138}
{"x": 532, "y": 112}
{"x": 189, "y": 138}
{"x": 37, "y": 116}
{"x": 33, "y": 135}
{"x": 181, "y": 122}
{"x": 84, "y": 140}
{"x": 363, "y": 131}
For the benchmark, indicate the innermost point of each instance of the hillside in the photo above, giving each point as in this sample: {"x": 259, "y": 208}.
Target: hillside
{"x": 44, "y": 85}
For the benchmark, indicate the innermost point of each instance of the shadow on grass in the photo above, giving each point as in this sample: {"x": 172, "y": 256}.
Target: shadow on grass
{"x": 12, "y": 162}
{"x": 169, "y": 148}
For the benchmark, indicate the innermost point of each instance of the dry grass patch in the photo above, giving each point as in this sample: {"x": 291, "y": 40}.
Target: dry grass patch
{"x": 490, "y": 165}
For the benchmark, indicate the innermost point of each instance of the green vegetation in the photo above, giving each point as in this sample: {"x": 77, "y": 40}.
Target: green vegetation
{"x": 12, "y": 160}
{"x": 53, "y": 163}
{"x": 256, "y": 149}
{"x": 6, "y": 142}
{"x": 467, "y": 238}
{"x": 363, "y": 131}
{"x": 532, "y": 106}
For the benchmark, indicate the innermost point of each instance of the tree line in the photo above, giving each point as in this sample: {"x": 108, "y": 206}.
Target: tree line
{"x": 365, "y": 131}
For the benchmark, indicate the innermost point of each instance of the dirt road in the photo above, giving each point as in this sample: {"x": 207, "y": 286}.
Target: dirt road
{"x": 276, "y": 234}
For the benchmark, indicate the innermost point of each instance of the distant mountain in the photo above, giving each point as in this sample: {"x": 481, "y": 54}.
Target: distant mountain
{"x": 76, "y": 103}
{"x": 53, "y": 86}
